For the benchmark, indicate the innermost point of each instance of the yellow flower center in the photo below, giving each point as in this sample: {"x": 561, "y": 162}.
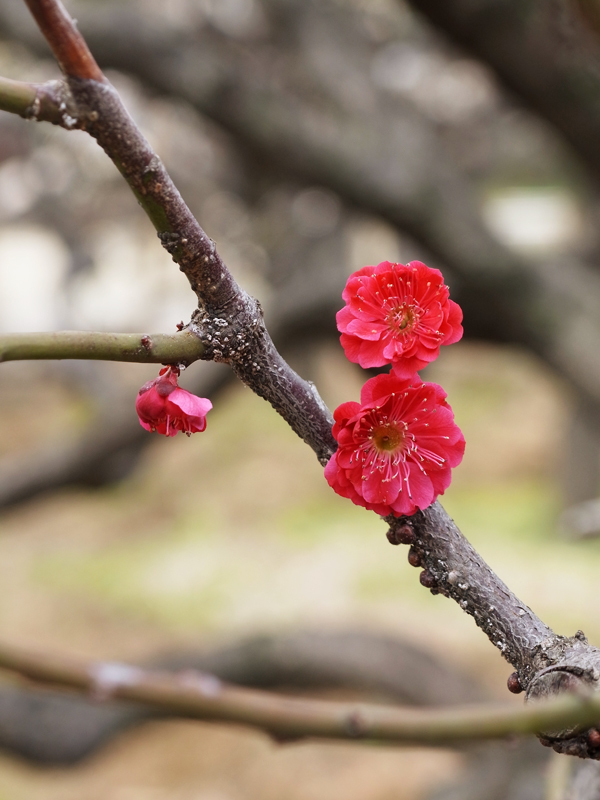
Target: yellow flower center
{"x": 386, "y": 437}
{"x": 401, "y": 317}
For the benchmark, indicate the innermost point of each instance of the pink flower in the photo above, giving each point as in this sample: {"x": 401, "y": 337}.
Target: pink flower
{"x": 398, "y": 314}
{"x": 165, "y": 408}
{"x": 396, "y": 446}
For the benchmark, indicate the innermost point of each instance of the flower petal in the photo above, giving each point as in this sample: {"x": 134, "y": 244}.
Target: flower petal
{"x": 190, "y": 404}
{"x": 162, "y": 406}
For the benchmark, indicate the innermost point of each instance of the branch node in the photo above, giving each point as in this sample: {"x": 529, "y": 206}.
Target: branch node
{"x": 514, "y": 684}
{"x": 356, "y": 725}
{"x": 33, "y": 112}
{"x": 427, "y": 579}
{"x": 202, "y": 682}
{"x": 108, "y": 676}
{"x": 414, "y": 559}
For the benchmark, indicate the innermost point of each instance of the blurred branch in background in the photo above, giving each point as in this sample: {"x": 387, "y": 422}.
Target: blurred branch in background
{"x": 51, "y": 727}
{"x": 308, "y": 660}
{"x": 199, "y": 695}
{"x": 548, "y": 55}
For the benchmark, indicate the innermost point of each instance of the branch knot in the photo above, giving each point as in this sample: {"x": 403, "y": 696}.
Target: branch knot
{"x": 231, "y": 335}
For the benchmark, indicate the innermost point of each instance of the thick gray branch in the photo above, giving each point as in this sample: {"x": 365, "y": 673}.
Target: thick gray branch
{"x": 546, "y": 664}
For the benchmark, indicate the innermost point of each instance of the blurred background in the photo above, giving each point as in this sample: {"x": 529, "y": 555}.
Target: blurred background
{"x": 310, "y": 139}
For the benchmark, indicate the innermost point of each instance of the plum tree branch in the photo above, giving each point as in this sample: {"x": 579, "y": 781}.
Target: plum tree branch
{"x": 157, "y": 348}
{"x": 68, "y": 45}
{"x": 44, "y": 102}
{"x": 198, "y": 695}
{"x": 47, "y": 726}
{"x": 17, "y": 97}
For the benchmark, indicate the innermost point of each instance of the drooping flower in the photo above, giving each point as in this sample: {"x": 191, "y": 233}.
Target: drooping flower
{"x": 163, "y": 407}
{"x": 396, "y": 447}
{"x": 398, "y": 314}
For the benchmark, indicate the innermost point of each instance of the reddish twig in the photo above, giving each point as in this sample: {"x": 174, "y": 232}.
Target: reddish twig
{"x": 67, "y": 44}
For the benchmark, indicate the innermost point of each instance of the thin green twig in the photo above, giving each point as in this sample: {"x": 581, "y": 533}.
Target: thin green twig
{"x": 155, "y": 348}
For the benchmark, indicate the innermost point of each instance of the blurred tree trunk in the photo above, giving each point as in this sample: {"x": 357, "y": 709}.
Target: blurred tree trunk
{"x": 581, "y": 464}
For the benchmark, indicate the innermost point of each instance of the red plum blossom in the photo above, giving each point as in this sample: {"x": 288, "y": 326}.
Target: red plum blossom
{"x": 398, "y": 314}
{"x": 396, "y": 447}
{"x": 163, "y": 407}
